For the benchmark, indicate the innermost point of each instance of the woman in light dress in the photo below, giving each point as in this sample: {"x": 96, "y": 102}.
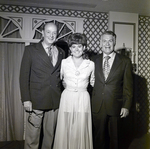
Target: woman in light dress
{"x": 74, "y": 126}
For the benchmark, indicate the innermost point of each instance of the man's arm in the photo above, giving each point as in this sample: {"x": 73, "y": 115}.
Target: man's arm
{"x": 127, "y": 89}
{"x": 25, "y": 80}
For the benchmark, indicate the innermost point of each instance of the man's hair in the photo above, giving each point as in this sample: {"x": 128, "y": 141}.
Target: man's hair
{"x": 46, "y": 23}
{"x": 109, "y": 33}
{"x": 43, "y": 28}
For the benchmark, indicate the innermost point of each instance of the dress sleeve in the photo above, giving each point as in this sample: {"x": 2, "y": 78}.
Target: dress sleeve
{"x": 62, "y": 74}
{"x": 92, "y": 77}
{"x": 61, "y": 70}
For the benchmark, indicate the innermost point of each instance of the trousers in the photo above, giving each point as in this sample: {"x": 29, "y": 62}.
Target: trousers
{"x": 39, "y": 120}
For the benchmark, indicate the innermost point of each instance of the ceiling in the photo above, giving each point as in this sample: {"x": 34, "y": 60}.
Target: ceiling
{"x": 142, "y": 7}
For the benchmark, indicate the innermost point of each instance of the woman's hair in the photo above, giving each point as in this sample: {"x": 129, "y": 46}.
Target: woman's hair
{"x": 77, "y": 38}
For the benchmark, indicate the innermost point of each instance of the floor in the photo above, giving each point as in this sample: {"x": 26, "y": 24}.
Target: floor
{"x": 142, "y": 142}
{"x": 12, "y": 145}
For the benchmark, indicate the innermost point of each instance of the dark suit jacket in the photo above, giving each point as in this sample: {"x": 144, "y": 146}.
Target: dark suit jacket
{"x": 116, "y": 91}
{"x": 39, "y": 81}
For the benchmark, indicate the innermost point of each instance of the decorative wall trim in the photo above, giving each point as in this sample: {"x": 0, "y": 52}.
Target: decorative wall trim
{"x": 95, "y": 23}
{"x": 52, "y": 11}
{"x": 27, "y": 25}
{"x": 145, "y": 19}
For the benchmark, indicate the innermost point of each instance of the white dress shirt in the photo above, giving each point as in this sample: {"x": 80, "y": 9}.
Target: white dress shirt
{"x": 54, "y": 52}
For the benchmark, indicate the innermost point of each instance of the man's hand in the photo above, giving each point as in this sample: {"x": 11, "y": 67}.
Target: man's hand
{"x": 28, "y": 106}
{"x": 124, "y": 112}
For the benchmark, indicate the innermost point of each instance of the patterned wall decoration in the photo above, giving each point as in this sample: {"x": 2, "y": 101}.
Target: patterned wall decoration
{"x": 93, "y": 29}
{"x": 10, "y": 26}
{"x": 64, "y": 28}
{"x": 94, "y": 24}
{"x": 143, "y": 77}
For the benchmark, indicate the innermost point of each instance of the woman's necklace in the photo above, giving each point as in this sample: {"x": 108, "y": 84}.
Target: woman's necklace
{"x": 77, "y": 73}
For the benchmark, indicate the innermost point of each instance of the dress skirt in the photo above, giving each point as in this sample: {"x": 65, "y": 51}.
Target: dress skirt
{"x": 74, "y": 127}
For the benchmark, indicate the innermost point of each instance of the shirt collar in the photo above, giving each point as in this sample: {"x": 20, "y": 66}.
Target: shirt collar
{"x": 111, "y": 55}
{"x": 46, "y": 47}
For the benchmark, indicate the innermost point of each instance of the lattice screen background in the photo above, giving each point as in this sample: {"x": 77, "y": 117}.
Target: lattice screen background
{"x": 94, "y": 24}
{"x": 143, "y": 94}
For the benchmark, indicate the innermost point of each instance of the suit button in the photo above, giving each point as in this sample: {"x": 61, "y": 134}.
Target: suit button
{"x": 102, "y": 93}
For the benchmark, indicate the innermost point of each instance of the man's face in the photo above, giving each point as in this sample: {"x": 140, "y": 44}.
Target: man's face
{"x": 107, "y": 44}
{"x": 49, "y": 34}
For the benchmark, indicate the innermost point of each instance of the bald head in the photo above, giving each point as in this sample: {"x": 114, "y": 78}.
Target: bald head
{"x": 51, "y": 24}
{"x": 49, "y": 33}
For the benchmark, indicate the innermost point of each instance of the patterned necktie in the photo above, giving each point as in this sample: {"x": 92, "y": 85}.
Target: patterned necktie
{"x": 106, "y": 68}
{"x": 50, "y": 53}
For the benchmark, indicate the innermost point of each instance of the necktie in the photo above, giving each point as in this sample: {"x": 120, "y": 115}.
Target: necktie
{"x": 50, "y": 53}
{"x": 106, "y": 68}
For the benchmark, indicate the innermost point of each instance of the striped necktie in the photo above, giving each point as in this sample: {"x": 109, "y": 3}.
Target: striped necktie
{"x": 50, "y": 53}
{"x": 106, "y": 67}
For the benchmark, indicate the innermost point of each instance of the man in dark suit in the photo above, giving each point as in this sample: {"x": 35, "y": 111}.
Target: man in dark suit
{"x": 112, "y": 93}
{"x": 40, "y": 87}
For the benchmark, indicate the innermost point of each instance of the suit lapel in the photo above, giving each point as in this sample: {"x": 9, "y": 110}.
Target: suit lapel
{"x": 41, "y": 52}
{"x": 60, "y": 57}
{"x": 99, "y": 62}
{"x": 116, "y": 64}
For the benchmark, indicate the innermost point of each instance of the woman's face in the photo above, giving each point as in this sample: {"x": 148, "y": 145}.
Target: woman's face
{"x": 77, "y": 50}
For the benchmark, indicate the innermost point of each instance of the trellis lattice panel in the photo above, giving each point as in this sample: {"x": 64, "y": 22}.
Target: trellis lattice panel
{"x": 143, "y": 77}
{"x": 93, "y": 28}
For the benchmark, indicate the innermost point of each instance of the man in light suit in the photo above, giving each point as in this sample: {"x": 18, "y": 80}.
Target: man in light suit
{"x": 112, "y": 94}
{"x": 40, "y": 87}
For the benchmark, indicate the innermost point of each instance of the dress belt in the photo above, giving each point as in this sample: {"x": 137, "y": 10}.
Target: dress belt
{"x": 76, "y": 89}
